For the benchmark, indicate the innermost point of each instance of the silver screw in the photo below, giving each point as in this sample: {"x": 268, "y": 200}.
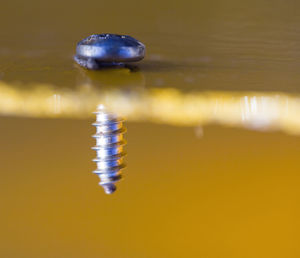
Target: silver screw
{"x": 109, "y": 148}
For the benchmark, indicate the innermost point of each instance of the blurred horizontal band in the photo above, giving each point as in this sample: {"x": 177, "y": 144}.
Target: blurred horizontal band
{"x": 255, "y": 110}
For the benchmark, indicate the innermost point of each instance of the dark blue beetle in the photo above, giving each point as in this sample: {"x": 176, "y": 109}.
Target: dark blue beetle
{"x": 100, "y": 50}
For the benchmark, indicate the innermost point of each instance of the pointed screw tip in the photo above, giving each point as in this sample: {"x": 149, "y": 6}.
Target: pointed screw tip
{"x": 109, "y": 188}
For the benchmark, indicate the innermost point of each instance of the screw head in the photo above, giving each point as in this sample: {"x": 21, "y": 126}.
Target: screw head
{"x": 108, "y": 49}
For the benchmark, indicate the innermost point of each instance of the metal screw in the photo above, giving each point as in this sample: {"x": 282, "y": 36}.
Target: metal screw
{"x": 109, "y": 148}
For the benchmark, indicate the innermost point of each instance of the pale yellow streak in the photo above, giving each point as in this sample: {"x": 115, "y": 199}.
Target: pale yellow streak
{"x": 255, "y": 110}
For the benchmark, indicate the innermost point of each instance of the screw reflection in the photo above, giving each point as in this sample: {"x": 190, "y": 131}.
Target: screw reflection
{"x": 109, "y": 148}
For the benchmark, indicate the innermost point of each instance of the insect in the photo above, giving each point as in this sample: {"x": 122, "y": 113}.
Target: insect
{"x": 100, "y": 50}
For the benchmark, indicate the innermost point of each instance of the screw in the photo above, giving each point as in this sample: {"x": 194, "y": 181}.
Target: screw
{"x": 109, "y": 148}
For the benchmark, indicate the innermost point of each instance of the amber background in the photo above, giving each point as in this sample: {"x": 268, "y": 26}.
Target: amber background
{"x": 230, "y": 193}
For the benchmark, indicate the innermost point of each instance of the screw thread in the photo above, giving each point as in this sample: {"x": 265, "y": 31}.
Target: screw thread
{"x": 109, "y": 148}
